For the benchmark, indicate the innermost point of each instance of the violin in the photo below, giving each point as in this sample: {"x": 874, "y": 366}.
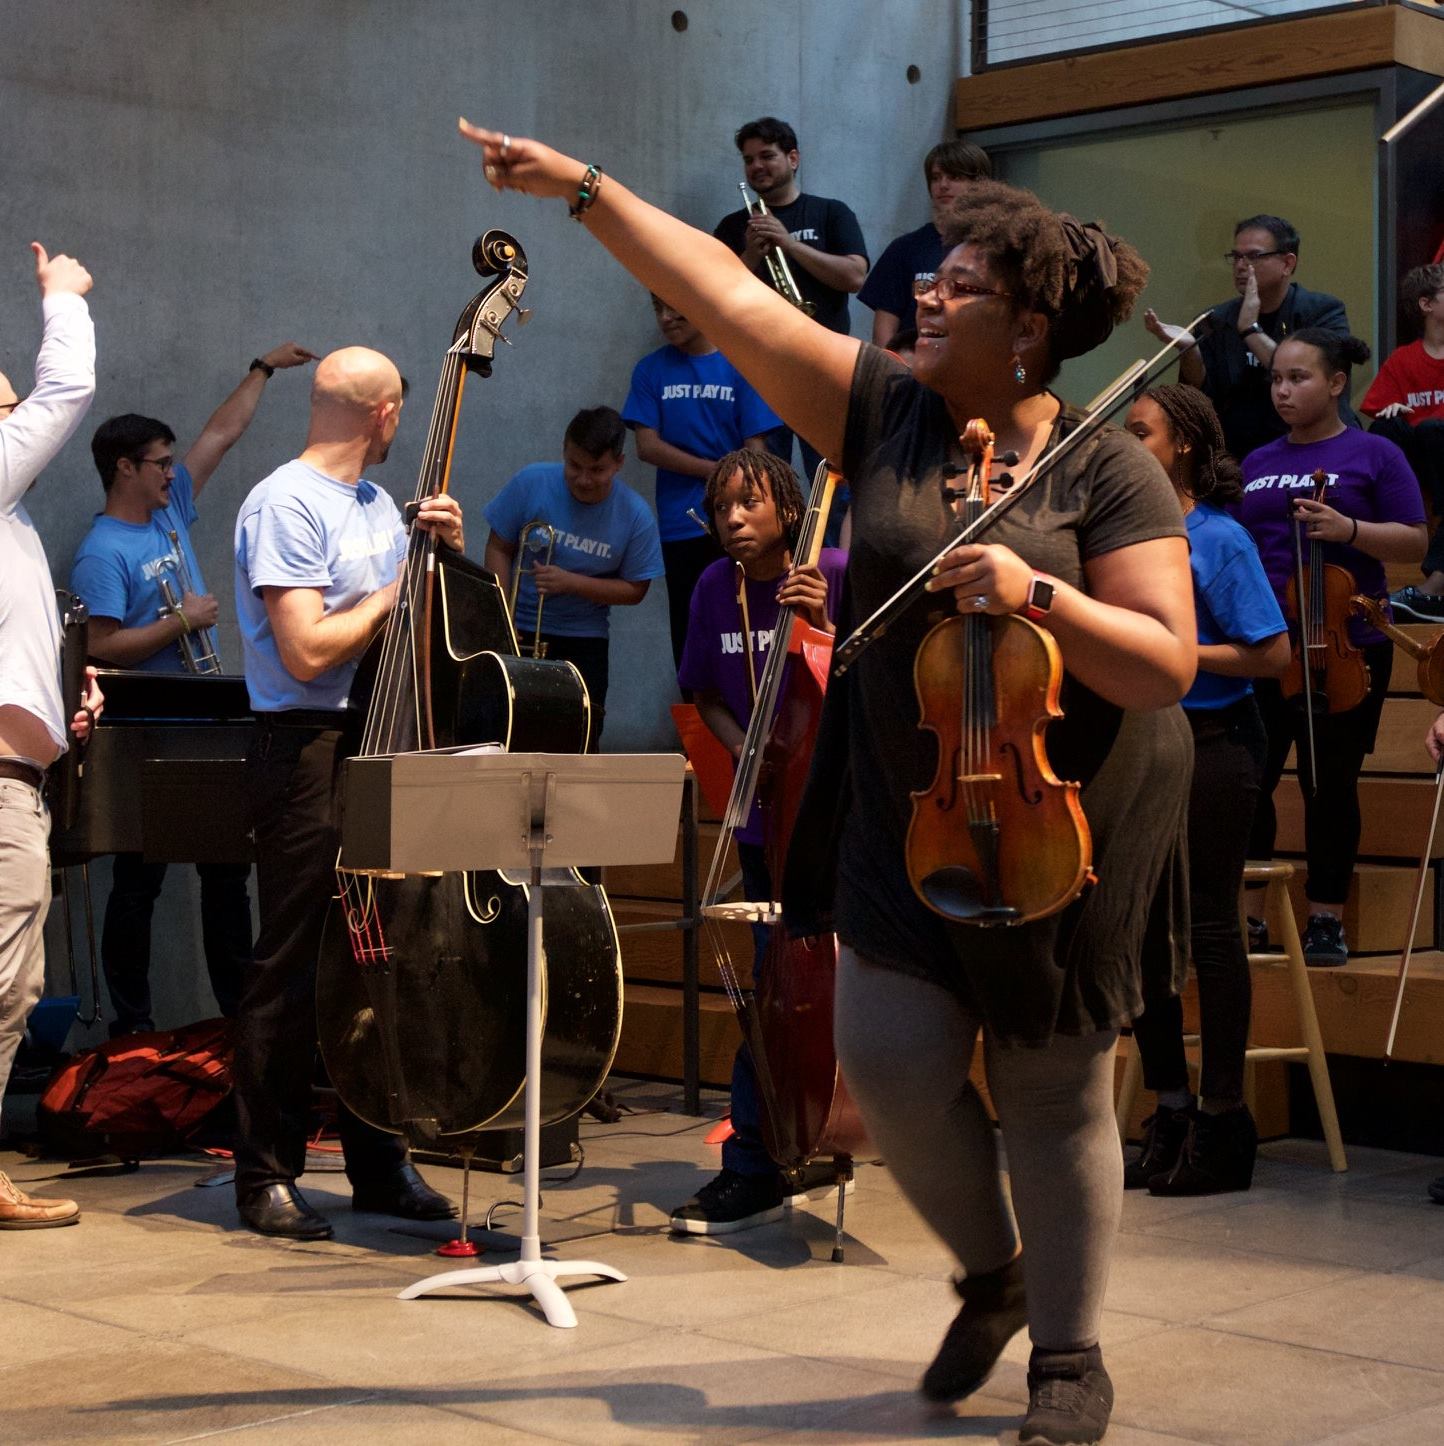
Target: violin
{"x": 997, "y": 838}
{"x": 787, "y": 1020}
{"x": 422, "y": 980}
{"x": 1428, "y": 656}
{"x": 1326, "y": 667}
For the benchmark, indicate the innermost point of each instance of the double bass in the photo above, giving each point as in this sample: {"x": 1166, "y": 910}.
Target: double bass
{"x": 787, "y": 1020}
{"x": 421, "y": 982}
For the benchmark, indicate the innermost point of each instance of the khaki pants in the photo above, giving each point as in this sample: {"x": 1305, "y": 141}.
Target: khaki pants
{"x": 24, "y": 899}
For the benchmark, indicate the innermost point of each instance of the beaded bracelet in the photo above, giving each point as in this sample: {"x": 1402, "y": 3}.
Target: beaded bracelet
{"x": 586, "y": 193}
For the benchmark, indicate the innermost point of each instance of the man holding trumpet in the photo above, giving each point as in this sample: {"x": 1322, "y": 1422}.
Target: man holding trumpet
{"x": 569, "y": 542}
{"x": 138, "y": 574}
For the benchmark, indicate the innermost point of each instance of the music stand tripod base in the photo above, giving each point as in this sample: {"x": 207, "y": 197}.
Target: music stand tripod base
{"x": 563, "y": 802}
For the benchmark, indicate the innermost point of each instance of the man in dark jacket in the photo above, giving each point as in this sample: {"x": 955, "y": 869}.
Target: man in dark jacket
{"x": 1232, "y": 362}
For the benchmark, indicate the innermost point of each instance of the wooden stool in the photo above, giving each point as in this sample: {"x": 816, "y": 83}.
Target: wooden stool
{"x": 1283, "y": 927}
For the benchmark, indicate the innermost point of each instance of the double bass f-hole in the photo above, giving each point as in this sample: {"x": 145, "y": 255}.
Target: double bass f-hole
{"x": 997, "y": 838}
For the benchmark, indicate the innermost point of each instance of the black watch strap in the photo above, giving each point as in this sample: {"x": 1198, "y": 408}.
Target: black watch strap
{"x": 260, "y": 366}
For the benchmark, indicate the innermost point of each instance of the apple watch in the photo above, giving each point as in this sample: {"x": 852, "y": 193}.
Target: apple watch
{"x": 1039, "y": 601}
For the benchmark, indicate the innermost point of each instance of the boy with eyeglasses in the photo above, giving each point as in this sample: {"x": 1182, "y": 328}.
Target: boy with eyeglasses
{"x": 141, "y": 538}
{"x": 1231, "y": 363}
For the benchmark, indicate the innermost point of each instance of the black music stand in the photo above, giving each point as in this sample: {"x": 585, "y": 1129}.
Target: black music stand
{"x": 463, "y": 809}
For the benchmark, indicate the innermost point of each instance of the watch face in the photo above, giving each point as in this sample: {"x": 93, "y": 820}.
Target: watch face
{"x": 1042, "y": 595}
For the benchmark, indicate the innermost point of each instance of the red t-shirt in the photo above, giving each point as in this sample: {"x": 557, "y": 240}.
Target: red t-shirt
{"x": 1412, "y": 376}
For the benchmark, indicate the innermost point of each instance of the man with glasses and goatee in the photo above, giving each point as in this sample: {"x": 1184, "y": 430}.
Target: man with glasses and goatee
{"x": 1233, "y": 361}
{"x": 139, "y": 540}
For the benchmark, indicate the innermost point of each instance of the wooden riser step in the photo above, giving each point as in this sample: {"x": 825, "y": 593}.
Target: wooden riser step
{"x": 1396, "y": 813}
{"x": 1376, "y": 913}
{"x": 1399, "y": 746}
{"x": 655, "y": 956}
{"x": 651, "y": 1042}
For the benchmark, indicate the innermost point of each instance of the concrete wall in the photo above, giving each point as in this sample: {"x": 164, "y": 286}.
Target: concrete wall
{"x": 235, "y": 175}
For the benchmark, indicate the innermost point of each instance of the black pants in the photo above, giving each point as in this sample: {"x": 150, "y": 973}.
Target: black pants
{"x": 1422, "y": 444}
{"x": 1331, "y": 813}
{"x": 125, "y": 939}
{"x": 591, "y": 657}
{"x": 745, "y": 1151}
{"x": 1229, "y": 752}
{"x": 684, "y": 563}
{"x": 291, "y": 776}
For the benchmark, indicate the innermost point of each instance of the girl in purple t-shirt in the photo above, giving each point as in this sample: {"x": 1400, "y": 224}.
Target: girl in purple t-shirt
{"x": 1374, "y": 514}
{"x": 754, "y": 508}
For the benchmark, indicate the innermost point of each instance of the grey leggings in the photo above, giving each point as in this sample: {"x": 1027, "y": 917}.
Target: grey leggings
{"x": 905, "y": 1047}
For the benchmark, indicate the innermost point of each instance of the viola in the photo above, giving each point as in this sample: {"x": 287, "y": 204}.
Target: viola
{"x": 997, "y": 838}
{"x": 1326, "y": 668}
{"x": 421, "y": 981}
{"x": 787, "y": 1021}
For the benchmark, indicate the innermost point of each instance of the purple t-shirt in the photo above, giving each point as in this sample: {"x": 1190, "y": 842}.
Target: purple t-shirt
{"x": 1368, "y": 479}
{"x": 714, "y": 660}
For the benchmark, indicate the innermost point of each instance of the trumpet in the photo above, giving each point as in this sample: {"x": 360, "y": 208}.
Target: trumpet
{"x": 780, "y": 272}
{"x": 536, "y": 537}
{"x": 198, "y": 648}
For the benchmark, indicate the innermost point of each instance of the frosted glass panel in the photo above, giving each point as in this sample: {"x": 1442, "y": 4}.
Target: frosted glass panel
{"x": 1176, "y": 194}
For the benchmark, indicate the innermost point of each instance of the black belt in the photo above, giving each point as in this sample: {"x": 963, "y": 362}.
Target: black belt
{"x": 22, "y": 772}
{"x": 304, "y": 718}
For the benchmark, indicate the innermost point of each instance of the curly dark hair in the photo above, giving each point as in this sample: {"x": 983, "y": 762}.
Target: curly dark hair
{"x": 1084, "y": 280}
{"x": 1217, "y": 477}
{"x": 762, "y": 474}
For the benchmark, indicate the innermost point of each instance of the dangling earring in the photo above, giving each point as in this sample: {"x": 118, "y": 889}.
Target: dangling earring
{"x": 1020, "y": 372}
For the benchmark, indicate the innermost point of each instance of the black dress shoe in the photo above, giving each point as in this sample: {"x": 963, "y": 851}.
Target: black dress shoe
{"x": 281, "y": 1209}
{"x": 403, "y": 1192}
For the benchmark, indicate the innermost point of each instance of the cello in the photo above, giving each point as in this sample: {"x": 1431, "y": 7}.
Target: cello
{"x": 787, "y": 1020}
{"x": 421, "y": 981}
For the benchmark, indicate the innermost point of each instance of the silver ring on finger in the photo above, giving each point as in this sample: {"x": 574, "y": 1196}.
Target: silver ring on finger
{"x": 490, "y": 172}
{"x": 981, "y": 602}
{"x": 505, "y": 145}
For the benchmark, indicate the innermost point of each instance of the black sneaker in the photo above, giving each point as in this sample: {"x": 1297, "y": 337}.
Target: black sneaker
{"x": 730, "y": 1203}
{"x": 1258, "y": 936}
{"x": 1070, "y": 1399}
{"x": 1164, "y": 1132}
{"x": 994, "y": 1311}
{"x": 1323, "y": 942}
{"x": 1416, "y": 606}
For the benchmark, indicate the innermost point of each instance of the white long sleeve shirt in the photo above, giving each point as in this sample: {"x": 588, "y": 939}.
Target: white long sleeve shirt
{"x": 29, "y": 439}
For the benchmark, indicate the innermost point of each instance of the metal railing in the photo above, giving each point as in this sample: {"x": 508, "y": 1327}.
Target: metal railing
{"x": 1011, "y": 32}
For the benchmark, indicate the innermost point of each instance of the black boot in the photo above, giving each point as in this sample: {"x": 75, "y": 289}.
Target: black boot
{"x": 1164, "y": 1132}
{"x": 1217, "y": 1156}
{"x": 993, "y": 1312}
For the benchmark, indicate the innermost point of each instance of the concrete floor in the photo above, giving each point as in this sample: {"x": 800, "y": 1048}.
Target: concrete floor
{"x": 1309, "y": 1309}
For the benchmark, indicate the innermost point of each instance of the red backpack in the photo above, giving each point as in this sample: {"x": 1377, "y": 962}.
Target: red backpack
{"x": 141, "y": 1094}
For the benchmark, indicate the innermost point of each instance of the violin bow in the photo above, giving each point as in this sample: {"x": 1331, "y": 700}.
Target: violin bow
{"x": 1421, "y": 883}
{"x": 1302, "y": 608}
{"x": 1127, "y": 385}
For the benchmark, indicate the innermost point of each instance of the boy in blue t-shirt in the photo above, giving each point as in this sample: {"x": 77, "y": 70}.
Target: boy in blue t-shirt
{"x": 605, "y": 550}
{"x": 689, "y": 406}
{"x": 139, "y": 540}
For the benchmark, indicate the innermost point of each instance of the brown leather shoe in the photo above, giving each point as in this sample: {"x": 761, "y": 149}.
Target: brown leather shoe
{"x": 19, "y": 1211}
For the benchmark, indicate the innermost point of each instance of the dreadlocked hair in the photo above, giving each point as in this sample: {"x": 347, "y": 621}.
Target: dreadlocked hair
{"x": 1080, "y": 277}
{"x": 762, "y": 474}
{"x": 1217, "y": 477}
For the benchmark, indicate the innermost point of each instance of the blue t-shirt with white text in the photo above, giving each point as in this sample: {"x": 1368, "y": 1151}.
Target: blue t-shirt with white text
{"x": 301, "y": 528}
{"x": 616, "y": 537}
{"x": 701, "y": 404}
{"x": 118, "y": 567}
{"x": 1232, "y": 598}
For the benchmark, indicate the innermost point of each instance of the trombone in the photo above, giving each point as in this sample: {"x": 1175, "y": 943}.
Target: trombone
{"x": 536, "y": 537}
{"x": 783, "y": 281}
{"x": 197, "y": 649}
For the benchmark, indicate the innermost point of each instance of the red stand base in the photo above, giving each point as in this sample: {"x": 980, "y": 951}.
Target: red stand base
{"x": 463, "y": 1249}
